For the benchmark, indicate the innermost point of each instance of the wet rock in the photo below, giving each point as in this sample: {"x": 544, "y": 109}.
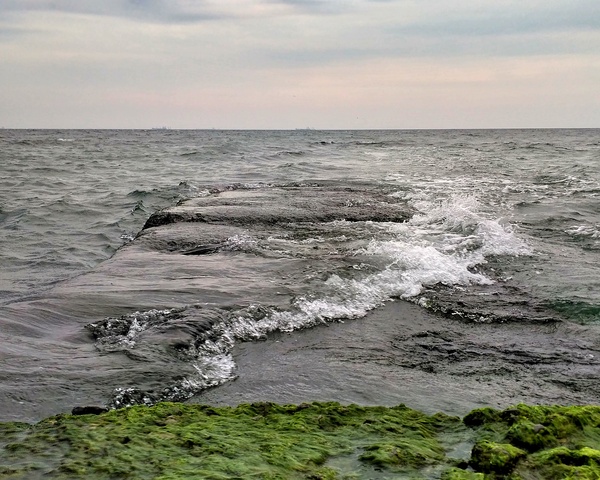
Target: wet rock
{"x": 126, "y": 397}
{"x": 497, "y": 303}
{"x": 311, "y": 440}
{"x": 286, "y": 204}
{"x": 514, "y": 351}
{"x": 122, "y": 326}
{"x": 531, "y": 437}
{"x": 89, "y": 410}
{"x": 566, "y": 457}
{"x": 497, "y": 458}
{"x": 461, "y": 474}
{"x": 481, "y": 416}
{"x": 202, "y": 250}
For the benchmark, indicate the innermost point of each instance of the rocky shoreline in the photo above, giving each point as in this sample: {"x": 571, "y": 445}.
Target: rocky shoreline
{"x": 320, "y": 440}
{"x": 467, "y": 353}
{"x": 207, "y": 294}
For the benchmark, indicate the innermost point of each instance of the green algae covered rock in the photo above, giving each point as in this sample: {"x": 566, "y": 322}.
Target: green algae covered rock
{"x": 537, "y": 442}
{"x": 460, "y": 474}
{"x": 481, "y": 416}
{"x": 563, "y": 462}
{"x": 497, "y": 458}
{"x": 325, "y": 441}
{"x": 250, "y": 441}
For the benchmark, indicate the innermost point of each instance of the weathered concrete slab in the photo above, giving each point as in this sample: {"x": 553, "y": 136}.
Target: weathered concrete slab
{"x": 276, "y": 205}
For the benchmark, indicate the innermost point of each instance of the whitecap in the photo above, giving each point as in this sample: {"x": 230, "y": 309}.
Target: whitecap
{"x": 590, "y": 231}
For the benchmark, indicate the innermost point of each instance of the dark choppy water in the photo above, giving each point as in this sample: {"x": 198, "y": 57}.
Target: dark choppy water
{"x": 279, "y": 232}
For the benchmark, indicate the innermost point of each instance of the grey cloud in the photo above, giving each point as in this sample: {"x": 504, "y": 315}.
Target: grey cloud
{"x": 316, "y": 6}
{"x": 440, "y": 46}
{"x": 144, "y": 10}
{"x": 466, "y": 17}
{"x": 553, "y": 17}
{"x": 302, "y": 3}
{"x": 509, "y": 47}
{"x": 168, "y": 11}
{"x": 9, "y": 32}
{"x": 300, "y": 57}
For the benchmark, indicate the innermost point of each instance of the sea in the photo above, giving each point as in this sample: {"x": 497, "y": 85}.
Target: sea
{"x": 377, "y": 267}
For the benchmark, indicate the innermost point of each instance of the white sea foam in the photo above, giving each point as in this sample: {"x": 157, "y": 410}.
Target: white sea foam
{"x": 441, "y": 245}
{"x": 590, "y": 231}
{"x": 125, "y": 331}
{"x": 202, "y": 193}
{"x": 127, "y": 237}
{"x": 413, "y": 261}
{"x": 463, "y": 216}
{"x": 212, "y": 370}
{"x": 240, "y": 242}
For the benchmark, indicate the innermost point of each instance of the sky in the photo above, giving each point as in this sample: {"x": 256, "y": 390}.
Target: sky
{"x": 285, "y": 64}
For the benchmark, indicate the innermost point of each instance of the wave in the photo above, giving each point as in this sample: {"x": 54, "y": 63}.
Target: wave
{"x": 362, "y": 265}
{"x": 477, "y": 208}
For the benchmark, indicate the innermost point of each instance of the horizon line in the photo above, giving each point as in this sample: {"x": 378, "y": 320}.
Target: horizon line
{"x": 167, "y": 129}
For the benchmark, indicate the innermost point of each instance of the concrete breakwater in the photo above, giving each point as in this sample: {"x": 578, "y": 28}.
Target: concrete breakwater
{"x": 290, "y": 294}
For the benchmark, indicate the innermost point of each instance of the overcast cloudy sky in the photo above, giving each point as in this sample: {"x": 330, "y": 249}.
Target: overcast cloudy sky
{"x": 299, "y": 63}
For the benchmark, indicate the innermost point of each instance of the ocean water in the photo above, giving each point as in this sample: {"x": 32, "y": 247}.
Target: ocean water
{"x": 107, "y": 298}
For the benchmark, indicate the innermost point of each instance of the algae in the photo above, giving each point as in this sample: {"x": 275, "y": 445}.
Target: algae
{"x": 324, "y": 440}
{"x": 497, "y": 458}
{"x": 537, "y": 442}
{"x": 261, "y": 440}
{"x": 460, "y": 474}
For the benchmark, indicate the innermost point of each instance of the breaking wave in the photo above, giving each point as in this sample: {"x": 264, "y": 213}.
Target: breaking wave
{"x": 442, "y": 244}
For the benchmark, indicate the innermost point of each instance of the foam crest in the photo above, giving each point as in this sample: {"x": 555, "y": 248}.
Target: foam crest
{"x": 462, "y": 215}
{"x": 455, "y": 214}
{"x": 589, "y": 231}
{"x": 347, "y": 298}
{"x": 440, "y": 246}
{"x": 501, "y": 240}
{"x": 240, "y": 242}
{"x": 211, "y": 371}
{"x": 114, "y": 333}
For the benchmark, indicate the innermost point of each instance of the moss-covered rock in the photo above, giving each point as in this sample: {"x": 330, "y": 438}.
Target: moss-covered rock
{"x": 563, "y": 462}
{"x": 460, "y": 474}
{"x": 531, "y": 436}
{"x": 261, "y": 440}
{"x": 324, "y": 441}
{"x": 415, "y": 453}
{"x": 559, "y": 442}
{"x": 481, "y": 416}
{"x": 497, "y": 458}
